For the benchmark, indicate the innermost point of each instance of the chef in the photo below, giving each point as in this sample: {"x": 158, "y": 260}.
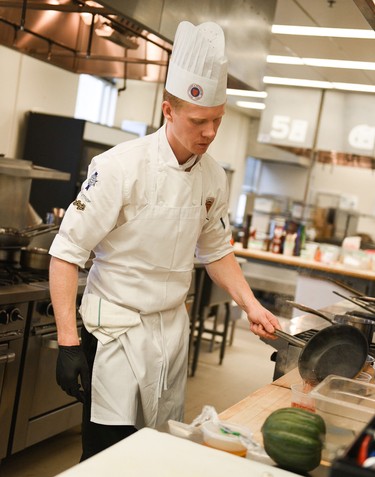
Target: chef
{"x": 146, "y": 209}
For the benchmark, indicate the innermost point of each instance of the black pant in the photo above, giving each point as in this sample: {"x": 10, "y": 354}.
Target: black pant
{"x": 97, "y": 437}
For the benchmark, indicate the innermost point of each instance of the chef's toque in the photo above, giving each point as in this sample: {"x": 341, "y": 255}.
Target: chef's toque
{"x": 197, "y": 70}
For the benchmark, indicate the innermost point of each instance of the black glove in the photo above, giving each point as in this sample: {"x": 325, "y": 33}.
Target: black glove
{"x": 71, "y": 363}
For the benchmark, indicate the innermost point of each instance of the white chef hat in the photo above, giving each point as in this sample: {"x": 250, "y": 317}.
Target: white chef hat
{"x": 197, "y": 70}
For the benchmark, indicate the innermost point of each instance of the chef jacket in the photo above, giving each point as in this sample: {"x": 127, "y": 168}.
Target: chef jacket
{"x": 143, "y": 215}
{"x": 117, "y": 189}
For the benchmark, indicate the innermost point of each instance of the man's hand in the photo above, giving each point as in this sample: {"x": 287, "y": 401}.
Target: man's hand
{"x": 71, "y": 364}
{"x": 262, "y": 322}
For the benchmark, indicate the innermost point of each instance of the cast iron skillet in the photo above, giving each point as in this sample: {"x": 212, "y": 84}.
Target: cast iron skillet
{"x": 339, "y": 349}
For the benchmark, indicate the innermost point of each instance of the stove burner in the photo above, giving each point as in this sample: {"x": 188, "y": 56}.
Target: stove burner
{"x": 306, "y": 335}
{"x": 15, "y": 276}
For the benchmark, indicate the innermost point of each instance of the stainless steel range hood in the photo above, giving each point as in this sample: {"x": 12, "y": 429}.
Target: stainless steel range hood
{"x": 83, "y": 38}
{"x": 133, "y": 38}
{"x": 28, "y": 170}
{"x": 16, "y": 176}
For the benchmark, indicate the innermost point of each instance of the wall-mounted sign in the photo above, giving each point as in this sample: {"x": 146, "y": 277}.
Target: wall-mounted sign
{"x": 290, "y": 117}
{"x": 348, "y": 123}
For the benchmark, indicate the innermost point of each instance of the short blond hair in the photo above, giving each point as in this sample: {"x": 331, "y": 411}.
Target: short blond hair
{"x": 175, "y": 102}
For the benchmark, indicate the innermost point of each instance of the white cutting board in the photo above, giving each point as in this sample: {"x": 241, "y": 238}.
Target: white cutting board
{"x": 151, "y": 453}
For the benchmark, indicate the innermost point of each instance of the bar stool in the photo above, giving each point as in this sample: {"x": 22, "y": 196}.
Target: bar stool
{"x": 208, "y": 299}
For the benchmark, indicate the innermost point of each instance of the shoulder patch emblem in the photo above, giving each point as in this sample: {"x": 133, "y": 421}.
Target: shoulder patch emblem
{"x": 93, "y": 179}
{"x": 79, "y": 205}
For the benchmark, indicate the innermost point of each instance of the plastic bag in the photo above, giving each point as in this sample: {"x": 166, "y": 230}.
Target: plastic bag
{"x": 220, "y": 434}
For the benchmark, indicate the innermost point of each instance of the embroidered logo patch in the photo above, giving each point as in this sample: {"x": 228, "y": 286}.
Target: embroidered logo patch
{"x": 195, "y": 91}
{"x": 84, "y": 197}
{"x": 79, "y": 205}
{"x": 93, "y": 179}
{"x": 209, "y": 202}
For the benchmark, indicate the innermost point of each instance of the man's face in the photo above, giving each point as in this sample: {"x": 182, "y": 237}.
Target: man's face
{"x": 191, "y": 128}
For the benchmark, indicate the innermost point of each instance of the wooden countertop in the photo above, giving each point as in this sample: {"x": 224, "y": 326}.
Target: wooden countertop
{"x": 299, "y": 262}
{"x": 255, "y": 408}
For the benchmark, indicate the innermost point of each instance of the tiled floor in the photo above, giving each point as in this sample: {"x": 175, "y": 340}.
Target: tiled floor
{"x": 246, "y": 367}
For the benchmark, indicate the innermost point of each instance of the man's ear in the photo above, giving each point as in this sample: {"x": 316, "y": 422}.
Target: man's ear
{"x": 167, "y": 110}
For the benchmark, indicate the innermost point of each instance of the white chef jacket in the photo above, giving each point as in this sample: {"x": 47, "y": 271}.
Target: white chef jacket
{"x": 142, "y": 214}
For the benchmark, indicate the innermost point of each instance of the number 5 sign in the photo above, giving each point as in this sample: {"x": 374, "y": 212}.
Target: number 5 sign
{"x": 284, "y": 127}
{"x": 290, "y": 117}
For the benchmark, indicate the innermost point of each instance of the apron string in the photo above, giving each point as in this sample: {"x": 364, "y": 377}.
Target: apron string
{"x": 163, "y": 380}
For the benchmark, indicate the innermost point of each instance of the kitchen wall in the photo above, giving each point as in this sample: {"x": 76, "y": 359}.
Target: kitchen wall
{"x": 30, "y": 84}
{"x": 140, "y": 101}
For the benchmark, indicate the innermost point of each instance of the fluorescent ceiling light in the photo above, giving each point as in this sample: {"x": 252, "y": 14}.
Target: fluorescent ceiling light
{"x": 297, "y": 82}
{"x": 250, "y": 105}
{"x": 322, "y": 62}
{"x": 317, "y": 31}
{"x": 365, "y": 88}
{"x": 245, "y": 93}
{"x": 285, "y": 60}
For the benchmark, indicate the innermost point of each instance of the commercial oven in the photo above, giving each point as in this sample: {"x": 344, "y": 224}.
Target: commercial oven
{"x": 12, "y": 326}
{"x": 43, "y": 409}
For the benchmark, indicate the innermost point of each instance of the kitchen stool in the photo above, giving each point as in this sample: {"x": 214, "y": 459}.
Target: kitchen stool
{"x": 235, "y": 314}
{"x": 207, "y": 304}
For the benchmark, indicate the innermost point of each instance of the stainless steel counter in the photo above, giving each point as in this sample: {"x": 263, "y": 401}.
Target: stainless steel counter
{"x": 24, "y": 292}
{"x": 307, "y": 321}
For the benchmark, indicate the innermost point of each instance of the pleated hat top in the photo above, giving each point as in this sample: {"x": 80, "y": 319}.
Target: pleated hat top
{"x": 197, "y": 70}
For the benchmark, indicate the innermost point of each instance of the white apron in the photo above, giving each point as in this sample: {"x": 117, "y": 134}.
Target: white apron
{"x": 140, "y": 367}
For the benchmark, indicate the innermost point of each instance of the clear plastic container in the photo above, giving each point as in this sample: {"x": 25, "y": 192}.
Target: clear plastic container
{"x": 301, "y": 397}
{"x": 346, "y": 405}
{"x": 226, "y": 436}
{"x": 364, "y": 377}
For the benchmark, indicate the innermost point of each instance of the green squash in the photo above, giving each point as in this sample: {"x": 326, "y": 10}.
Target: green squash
{"x": 294, "y": 438}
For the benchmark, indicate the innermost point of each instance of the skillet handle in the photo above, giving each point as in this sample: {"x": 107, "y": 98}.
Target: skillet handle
{"x": 352, "y": 300}
{"x": 290, "y": 338}
{"x": 308, "y": 309}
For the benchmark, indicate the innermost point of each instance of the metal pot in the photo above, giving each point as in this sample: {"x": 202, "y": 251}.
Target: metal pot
{"x": 362, "y": 314}
{"x": 10, "y": 255}
{"x": 10, "y": 237}
{"x": 367, "y": 299}
{"x": 339, "y": 349}
{"x": 364, "y": 324}
{"x": 35, "y": 258}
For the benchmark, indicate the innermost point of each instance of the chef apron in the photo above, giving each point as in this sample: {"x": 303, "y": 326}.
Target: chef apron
{"x": 140, "y": 366}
